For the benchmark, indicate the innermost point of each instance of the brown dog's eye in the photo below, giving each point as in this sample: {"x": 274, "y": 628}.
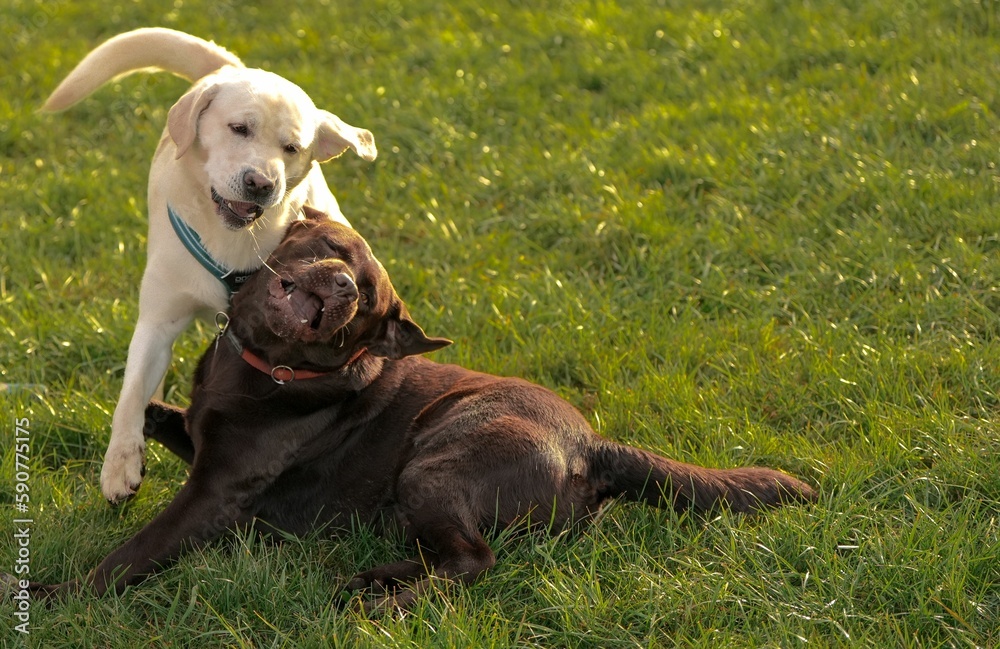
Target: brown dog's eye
{"x": 338, "y": 251}
{"x": 364, "y": 298}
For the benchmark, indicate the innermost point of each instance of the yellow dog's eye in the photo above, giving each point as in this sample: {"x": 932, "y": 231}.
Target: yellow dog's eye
{"x": 291, "y": 148}
{"x": 239, "y": 129}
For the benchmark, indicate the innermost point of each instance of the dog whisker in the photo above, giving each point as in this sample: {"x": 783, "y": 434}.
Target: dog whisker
{"x": 257, "y": 252}
{"x": 264, "y": 264}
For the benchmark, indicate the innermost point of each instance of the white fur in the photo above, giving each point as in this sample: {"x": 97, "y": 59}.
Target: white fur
{"x": 199, "y": 151}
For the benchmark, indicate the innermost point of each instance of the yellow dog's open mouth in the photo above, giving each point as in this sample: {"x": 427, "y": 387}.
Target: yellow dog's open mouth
{"x": 236, "y": 214}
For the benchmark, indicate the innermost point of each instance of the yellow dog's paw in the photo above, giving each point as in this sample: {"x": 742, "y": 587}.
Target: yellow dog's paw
{"x": 123, "y": 470}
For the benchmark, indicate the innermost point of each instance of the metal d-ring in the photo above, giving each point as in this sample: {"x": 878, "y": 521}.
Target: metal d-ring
{"x": 291, "y": 374}
{"x": 222, "y": 321}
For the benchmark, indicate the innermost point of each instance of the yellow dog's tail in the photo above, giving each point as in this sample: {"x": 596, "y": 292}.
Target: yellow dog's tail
{"x": 152, "y": 48}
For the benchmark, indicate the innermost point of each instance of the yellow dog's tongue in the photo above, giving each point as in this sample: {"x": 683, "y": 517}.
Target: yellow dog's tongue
{"x": 242, "y": 209}
{"x": 245, "y": 209}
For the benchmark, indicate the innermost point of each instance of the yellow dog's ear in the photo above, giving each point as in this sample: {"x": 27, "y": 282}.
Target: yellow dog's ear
{"x": 334, "y": 136}
{"x": 182, "y": 120}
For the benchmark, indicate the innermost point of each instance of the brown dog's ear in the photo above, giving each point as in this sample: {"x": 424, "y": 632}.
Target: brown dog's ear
{"x": 182, "y": 120}
{"x": 403, "y": 337}
{"x": 336, "y": 136}
{"x": 312, "y": 214}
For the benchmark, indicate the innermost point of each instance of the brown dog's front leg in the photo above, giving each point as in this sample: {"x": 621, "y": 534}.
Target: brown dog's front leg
{"x": 192, "y": 518}
{"x": 195, "y": 516}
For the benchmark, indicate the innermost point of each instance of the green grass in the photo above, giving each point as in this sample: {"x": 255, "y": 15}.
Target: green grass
{"x": 733, "y": 232}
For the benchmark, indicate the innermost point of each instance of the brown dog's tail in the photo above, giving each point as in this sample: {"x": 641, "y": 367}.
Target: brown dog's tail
{"x": 155, "y": 47}
{"x": 646, "y": 477}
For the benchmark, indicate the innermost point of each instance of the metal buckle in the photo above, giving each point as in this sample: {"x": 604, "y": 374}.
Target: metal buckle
{"x": 291, "y": 374}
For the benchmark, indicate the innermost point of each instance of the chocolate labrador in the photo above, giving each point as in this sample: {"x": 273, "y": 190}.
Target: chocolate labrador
{"x": 315, "y": 406}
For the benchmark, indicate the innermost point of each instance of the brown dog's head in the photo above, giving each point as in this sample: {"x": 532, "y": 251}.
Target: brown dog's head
{"x": 323, "y": 300}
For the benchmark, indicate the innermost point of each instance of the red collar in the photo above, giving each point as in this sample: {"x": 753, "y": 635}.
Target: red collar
{"x": 281, "y": 374}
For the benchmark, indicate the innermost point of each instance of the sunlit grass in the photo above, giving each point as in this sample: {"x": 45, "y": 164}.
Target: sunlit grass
{"x": 733, "y": 232}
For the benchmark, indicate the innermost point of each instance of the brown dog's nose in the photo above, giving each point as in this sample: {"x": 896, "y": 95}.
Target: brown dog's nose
{"x": 344, "y": 286}
{"x": 257, "y": 184}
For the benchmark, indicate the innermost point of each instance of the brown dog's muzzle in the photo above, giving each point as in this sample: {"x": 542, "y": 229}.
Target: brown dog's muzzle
{"x": 312, "y": 302}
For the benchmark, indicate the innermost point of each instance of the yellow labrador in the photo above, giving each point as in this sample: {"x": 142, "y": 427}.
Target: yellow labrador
{"x": 238, "y": 159}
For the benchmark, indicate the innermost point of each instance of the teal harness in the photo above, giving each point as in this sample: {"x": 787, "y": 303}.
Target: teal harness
{"x": 231, "y": 279}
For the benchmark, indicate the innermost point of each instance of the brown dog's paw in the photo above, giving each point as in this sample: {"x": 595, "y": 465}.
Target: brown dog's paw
{"x": 396, "y": 605}
{"x": 20, "y": 589}
{"x": 376, "y": 600}
{"x": 8, "y": 584}
{"x": 392, "y": 576}
{"x": 391, "y": 588}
